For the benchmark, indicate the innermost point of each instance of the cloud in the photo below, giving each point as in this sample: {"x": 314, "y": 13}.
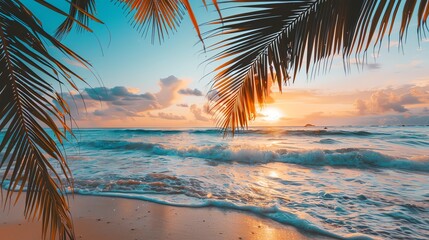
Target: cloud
{"x": 395, "y": 120}
{"x": 188, "y": 91}
{"x": 116, "y": 94}
{"x": 118, "y": 111}
{"x": 182, "y": 105}
{"x": 120, "y": 102}
{"x": 373, "y": 66}
{"x": 363, "y": 63}
{"x": 330, "y": 107}
{"x": 206, "y": 109}
{"x": 168, "y": 116}
{"x": 395, "y": 100}
{"x": 198, "y": 113}
{"x": 213, "y": 95}
{"x": 415, "y": 116}
{"x": 380, "y": 102}
{"x": 168, "y": 93}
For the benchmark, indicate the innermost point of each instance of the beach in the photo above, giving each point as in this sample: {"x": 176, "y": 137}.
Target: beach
{"x": 259, "y": 120}
{"x": 266, "y": 183}
{"x": 110, "y": 218}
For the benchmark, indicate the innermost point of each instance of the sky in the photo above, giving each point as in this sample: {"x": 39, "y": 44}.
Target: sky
{"x": 137, "y": 83}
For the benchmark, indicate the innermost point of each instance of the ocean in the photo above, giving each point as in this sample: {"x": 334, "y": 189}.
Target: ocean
{"x": 342, "y": 182}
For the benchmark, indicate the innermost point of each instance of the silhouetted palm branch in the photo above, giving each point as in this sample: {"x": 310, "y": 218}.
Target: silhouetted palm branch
{"x": 271, "y": 41}
{"x": 31, "y": 159}
{"x": 80, "y": 10}
{"x": 275, "y": 39}
{"x": 27, "y": 99}
{"x": 158, "y": 17}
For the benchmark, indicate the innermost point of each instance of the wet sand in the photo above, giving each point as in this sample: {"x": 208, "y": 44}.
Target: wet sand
{"x": 110, "y": 218}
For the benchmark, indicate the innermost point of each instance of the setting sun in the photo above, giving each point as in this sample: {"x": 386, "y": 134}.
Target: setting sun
{"x": 214, "y": 119}
{"x": 271, "y": 114}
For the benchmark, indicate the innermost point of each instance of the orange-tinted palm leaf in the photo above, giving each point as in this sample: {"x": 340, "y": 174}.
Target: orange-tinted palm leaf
{"x": 274, "y": 40}
{"x": 31, "y": 159}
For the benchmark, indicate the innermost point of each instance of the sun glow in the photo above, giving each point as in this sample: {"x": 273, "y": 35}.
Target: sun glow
{"x": 271, "y": 114}
{"x": 273, "y": 174}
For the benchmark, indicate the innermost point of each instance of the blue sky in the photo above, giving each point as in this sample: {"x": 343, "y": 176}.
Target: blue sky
{"x": 121, "y": 57}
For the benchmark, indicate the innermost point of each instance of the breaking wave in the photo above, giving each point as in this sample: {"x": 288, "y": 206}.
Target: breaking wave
{"x": 343, "y": 157}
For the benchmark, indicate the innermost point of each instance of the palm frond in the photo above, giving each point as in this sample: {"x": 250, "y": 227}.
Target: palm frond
{"x": 274, "y": 40}
{"x": 156, "y": 17}
{"x": 80, "y": 11}
{"x": 159, "y": 17}
{"x": 31, "y": 158}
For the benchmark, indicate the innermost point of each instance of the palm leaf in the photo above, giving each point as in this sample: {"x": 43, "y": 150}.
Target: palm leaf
{"x": 80, "y": 11}
{"x": 274, "y": 40}
{"x": 155, "y": 17}
{"x": 159, "y": 17}
{"x": 31, "y": 158}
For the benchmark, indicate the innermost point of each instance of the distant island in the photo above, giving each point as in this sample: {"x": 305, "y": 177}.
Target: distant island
{"x": 309, "y": 125}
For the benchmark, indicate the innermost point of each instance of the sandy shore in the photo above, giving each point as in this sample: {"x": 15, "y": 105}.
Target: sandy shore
{"x": 122, "y": 219}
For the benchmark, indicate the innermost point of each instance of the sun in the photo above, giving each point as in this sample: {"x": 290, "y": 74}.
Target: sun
{"x": 271, "y": 114}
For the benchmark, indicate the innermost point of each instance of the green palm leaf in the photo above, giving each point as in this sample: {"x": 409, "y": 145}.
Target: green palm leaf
{"x": 31, "y": 159}
{"x": 274, "y": 40}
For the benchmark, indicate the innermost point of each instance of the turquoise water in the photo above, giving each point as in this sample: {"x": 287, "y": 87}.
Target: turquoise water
{"x": 345, "y": 182}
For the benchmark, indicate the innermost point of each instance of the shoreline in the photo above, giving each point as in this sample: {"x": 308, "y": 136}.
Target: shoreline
{"x": 111, "y": 218}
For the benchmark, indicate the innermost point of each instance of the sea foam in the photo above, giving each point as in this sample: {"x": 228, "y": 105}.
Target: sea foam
{"x": 343, "y": 157}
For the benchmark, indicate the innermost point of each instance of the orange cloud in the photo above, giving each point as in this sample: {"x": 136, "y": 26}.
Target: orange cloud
{"x": 396, "y": 100}
{"x": 104, "y": 104}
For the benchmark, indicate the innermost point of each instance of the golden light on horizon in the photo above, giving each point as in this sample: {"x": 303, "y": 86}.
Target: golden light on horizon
{"x": 273, "y": 174}
{"x": 271, "y": 114}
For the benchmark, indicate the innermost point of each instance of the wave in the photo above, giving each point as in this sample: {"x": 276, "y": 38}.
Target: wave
{"x": 328, "y": 141}
{"x": 343, "y": 157}
{"x": 165, "y": 131}
{"x": 312, "y": 132}
{"x": 182, "y": 199}
{"x": 416, "y": 143}
{"x": 271, "y": 212}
